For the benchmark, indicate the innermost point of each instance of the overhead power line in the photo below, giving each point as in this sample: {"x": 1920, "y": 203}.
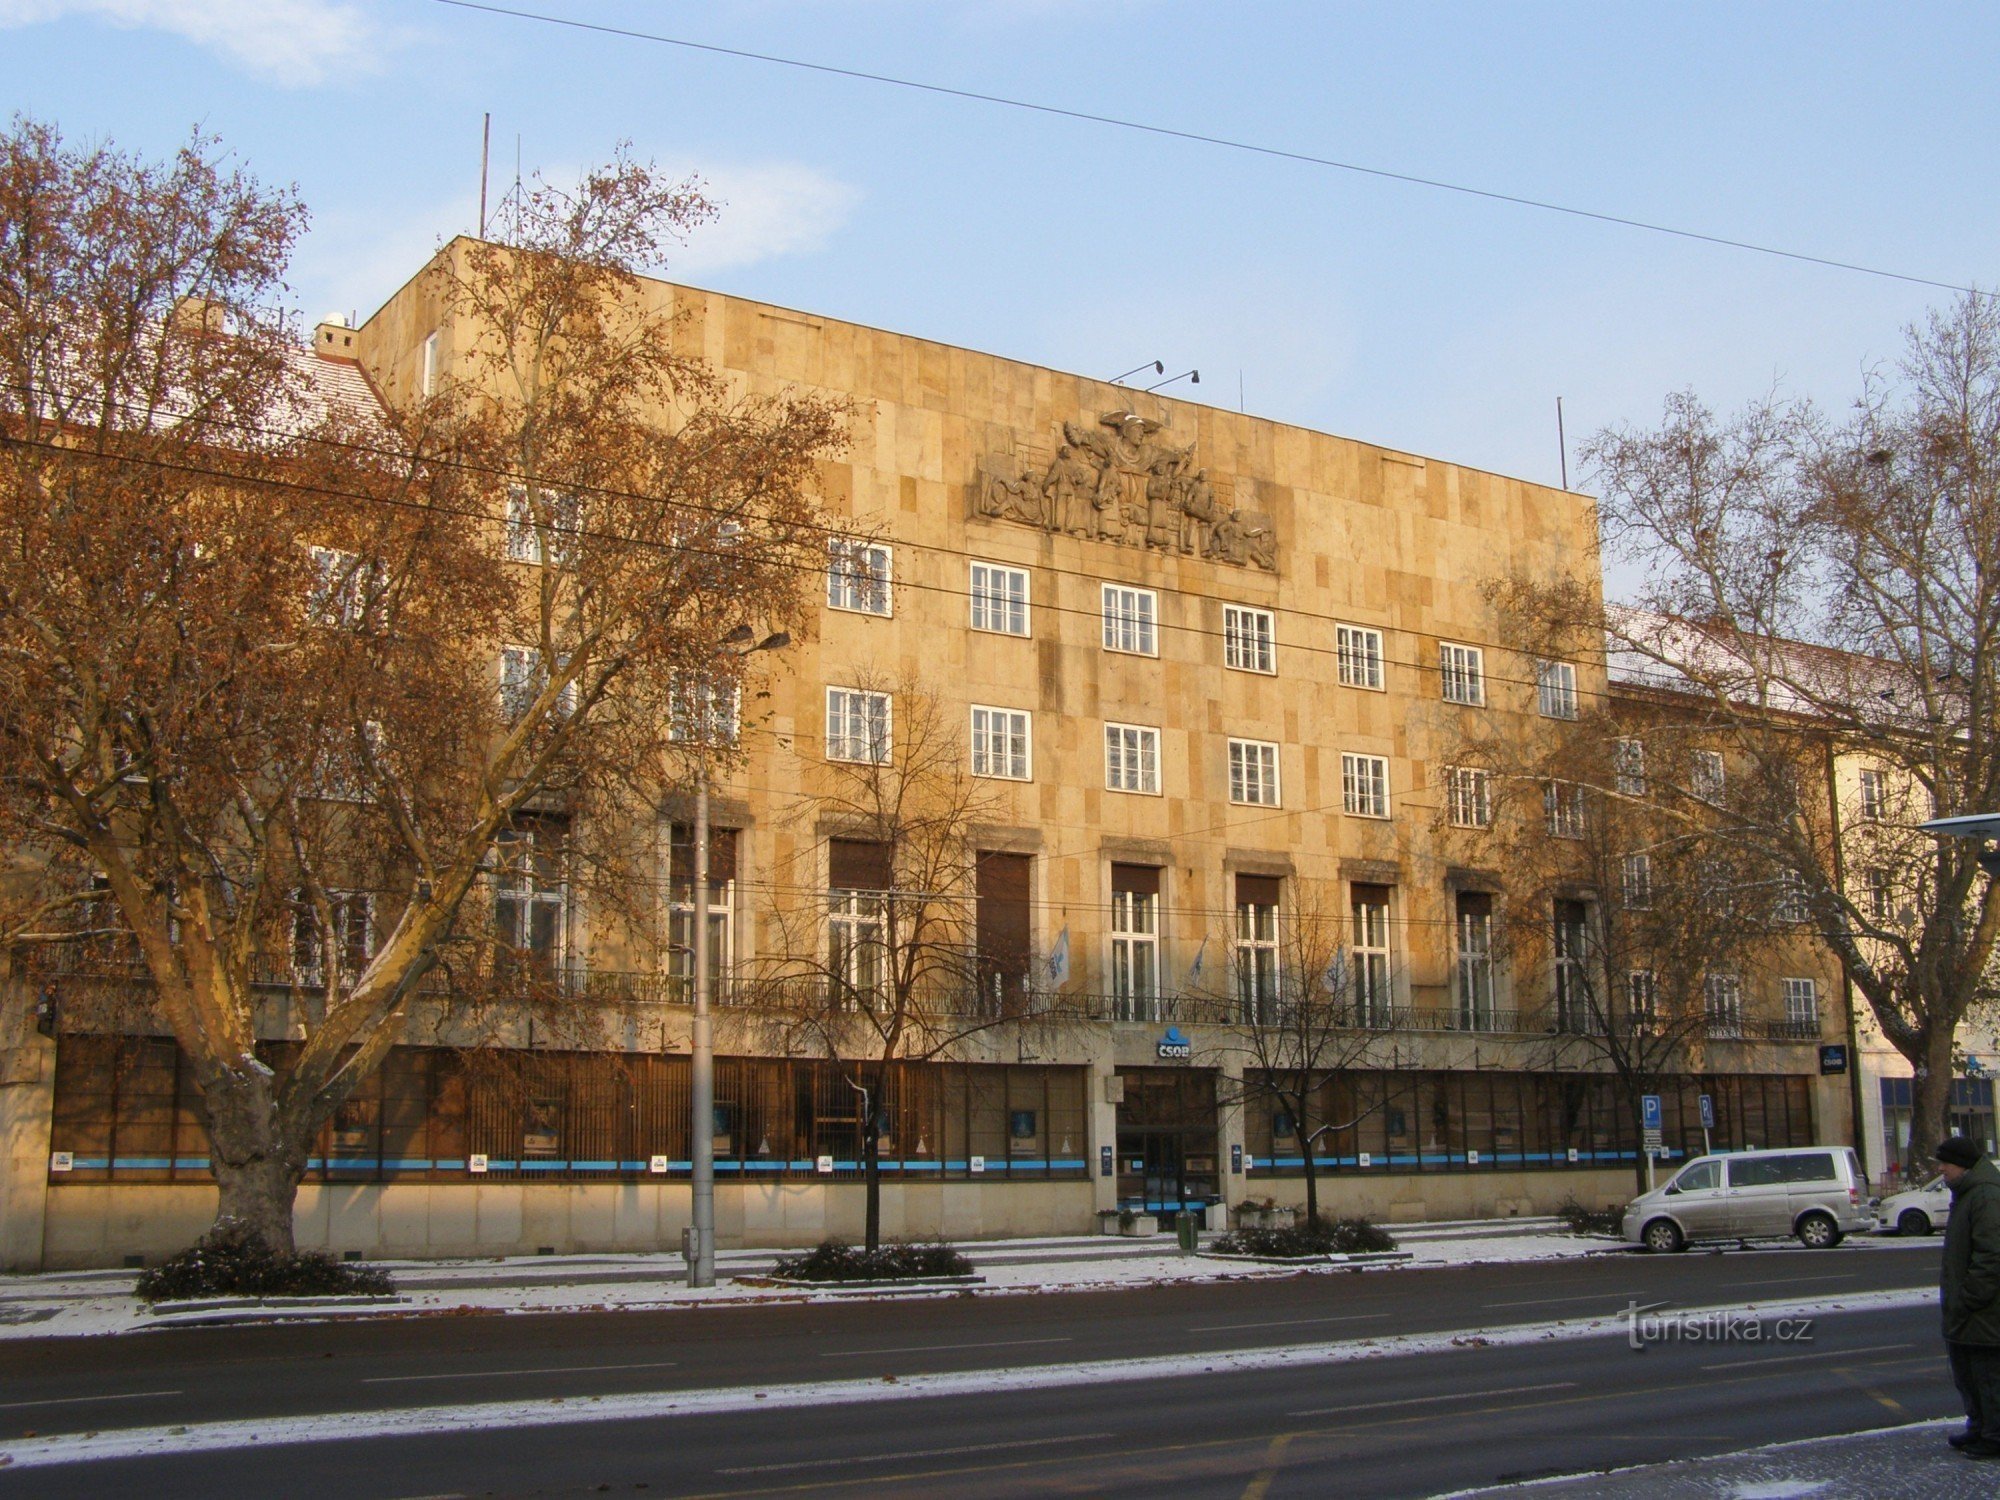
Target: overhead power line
{"x": 1226, "y": 143}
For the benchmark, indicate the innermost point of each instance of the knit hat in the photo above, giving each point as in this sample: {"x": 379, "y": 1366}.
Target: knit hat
{"x": 1957, "y": 1151}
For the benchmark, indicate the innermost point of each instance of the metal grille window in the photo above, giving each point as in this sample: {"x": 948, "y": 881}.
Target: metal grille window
{"x": 1555, "y": 689}
{"x": 1253, "y": 773}
{"x": 999, "y": 599}
{"x": 857, "y": 726}
{"x": 1132, "y": 758}
{"x": 1360, "y": 656}
{"x": 1475, "y": 961}
{"x": 1636, "y": 881}
{"x": 1801, "y": 1001}
{"x": 857, "y": 576}
{"x": 1135, "y": 943}
{"x": 1131, "y": 620}
{"x": 1364, "y": 785}
{"x": 1002, "y": 741}
{"x": 542, "y": 526}
{"x": 1248, "y": 639}
{"x": 703, "y": 712}
{"x": 1628, "y": 767}
{"x": 1469, "y": 797}
{"x": 1373, "y": 1002}
{"x": 1724, "y": 996}
{"x": 1562, "y": 805}
{"x": 1463, "y": 670}
{"x": 1256, "y": 957}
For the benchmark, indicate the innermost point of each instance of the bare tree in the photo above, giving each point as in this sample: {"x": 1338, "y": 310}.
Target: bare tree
{"x": 1830, "y": 591}
{"x": 300, "y": 687}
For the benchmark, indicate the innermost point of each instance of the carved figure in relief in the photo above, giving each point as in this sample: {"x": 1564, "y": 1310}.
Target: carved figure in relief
{"x": 1071, "y": 489}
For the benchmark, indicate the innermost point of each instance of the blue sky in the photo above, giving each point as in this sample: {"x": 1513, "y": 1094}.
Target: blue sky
{"x": 1403, "y": 315}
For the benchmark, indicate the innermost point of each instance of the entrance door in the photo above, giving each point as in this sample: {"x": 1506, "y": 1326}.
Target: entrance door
{"x": 1167, "y": 1159}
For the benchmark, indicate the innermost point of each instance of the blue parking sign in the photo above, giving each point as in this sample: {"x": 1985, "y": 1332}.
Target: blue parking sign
{"x": 1649, "y": 1111}
{"x": 1707, "y": 1112}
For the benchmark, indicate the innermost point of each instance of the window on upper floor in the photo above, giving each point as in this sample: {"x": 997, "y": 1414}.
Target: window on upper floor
{"x": 1635, "y": 879}
{"x": 542, "y": 526}
{"x": 523, "y": 676}
{"x": 1706, "y": 777}
{"x": 347, "y": 591}
{"x": 1469, "y": 796}
{"x": 1253, "y": 773}
{"x": 701, "y": 711}
{"x": 1132, "y": 758}
{"x": 999, "y": 599}
{"x": 1462, "y": 670}
{"x": 1249, "y": 639}
{"x": 857, "y": 575}
{"x": 1562, "y": 806}
{"x": 1364, "y": 785}
{"x": 1360, "y": 651}
{"x": 1002, "y": 743}
{"x": 1874, "y": 796}
{"x": 857, "y": 726}
{"x": 1131, "y": 620}
{"x": 1555, "y": 689}
{"x": 1628, "y": 767}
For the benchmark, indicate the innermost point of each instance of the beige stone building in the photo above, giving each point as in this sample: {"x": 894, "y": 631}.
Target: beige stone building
{"x": 1203, "y": 664}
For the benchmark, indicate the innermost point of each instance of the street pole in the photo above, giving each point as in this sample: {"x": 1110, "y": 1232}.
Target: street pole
{"x": 701, "y": 1267}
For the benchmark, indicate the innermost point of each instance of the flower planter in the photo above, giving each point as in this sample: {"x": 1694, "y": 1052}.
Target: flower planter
{"x": 1141, "y": 1225}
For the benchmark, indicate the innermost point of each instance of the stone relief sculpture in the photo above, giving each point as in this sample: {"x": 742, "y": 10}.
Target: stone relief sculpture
{"x": 1117, "y": 481}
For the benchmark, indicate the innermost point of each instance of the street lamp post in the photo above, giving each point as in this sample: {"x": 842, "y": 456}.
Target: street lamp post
{"x": 701, "y": 1156}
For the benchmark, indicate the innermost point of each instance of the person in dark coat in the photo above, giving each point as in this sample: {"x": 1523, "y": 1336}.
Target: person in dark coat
{"x": 1971, "y": 1292}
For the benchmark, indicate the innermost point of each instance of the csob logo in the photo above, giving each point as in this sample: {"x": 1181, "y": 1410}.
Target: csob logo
{"x": 1175, "y": 1047}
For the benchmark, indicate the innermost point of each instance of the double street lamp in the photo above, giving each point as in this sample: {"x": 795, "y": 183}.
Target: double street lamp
{"x": 701, "y": 1250}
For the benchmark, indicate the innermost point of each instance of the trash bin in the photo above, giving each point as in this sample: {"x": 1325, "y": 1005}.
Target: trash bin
{"x": 1187, "y": 1228}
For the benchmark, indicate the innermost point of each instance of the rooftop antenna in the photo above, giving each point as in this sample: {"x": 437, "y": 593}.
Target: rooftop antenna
{"x": 1562, "y": 445}
{"x": 485, "y": 155}
{"x": 1159, "y": 368}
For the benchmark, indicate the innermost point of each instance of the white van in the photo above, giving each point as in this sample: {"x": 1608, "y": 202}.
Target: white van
{"x": 1814, "y": 1192}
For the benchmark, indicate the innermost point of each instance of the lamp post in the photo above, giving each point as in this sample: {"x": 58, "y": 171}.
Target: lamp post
{"x": 701, "y": 1262}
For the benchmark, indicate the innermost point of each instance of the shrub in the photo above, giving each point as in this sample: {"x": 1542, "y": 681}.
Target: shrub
{"x": 233, "y": 1262}
{"x": 1341, "y": 1237}
{"x": 836, "y": 1260}
{"x": 1578, "y": 1219}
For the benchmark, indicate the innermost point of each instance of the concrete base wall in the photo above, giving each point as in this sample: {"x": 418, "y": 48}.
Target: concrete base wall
{"x": 1412, "y": 1199}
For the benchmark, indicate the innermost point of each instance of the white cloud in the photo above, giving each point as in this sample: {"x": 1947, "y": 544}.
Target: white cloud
{"x": 299, "y": 42}
{"x": 767, "y": 211}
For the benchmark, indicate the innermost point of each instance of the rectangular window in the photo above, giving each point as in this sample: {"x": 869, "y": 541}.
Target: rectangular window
{"x": 702, "y": 712}
{"x": 1374, "y": 1004}
{"x": 999, "y": 599}
{"x": 1135, "y": 943}
{"x": 1131, "y": 620}
{"x": 1132, "y": 758}
{"x": 1628, "y": 767}
{"x": 1463, "y": 671}
{"x": 1801, "y": 1005}
{"x": 352, "y": 917}
{"x": 346, "y": 591}
{"x": 1249, "y": 639}
{"x": 857, "y": 575}
{"x": 859, "y": 876}
{"x": 1256, "y": 956}
{"x": 1562, "y": 803}
{"x": 1881, "y": 897}
{"x": 1724, "y": 997}
{"x": 1253, "y": 773}
{"x": 1364, "y": 785}
{"x": 541, "y": 526}
{"x": 721, "y": 909}
{"x": 1002, "y": 743}
{"x": 1636, "y": 880}
{"x": 1874, "y": 796}
{"x": 1475, "y": 961}
{"x": 1469, "y": 796}
{"x": 428, "y": 380}
{"x": 1792, "y": 905}
{"x": 857, "y": 726}
{"x": 1705, "y": 775}
{"x": 1570, "y": 933}
{"x": 1360, "y": 656}
{"x": 1555, "y": 689}
{"x": 1642, "y": 1000}
{"x": 531, "y": 898}
{"x": 522, "y": 679}
{"x": 1001, "y": 919}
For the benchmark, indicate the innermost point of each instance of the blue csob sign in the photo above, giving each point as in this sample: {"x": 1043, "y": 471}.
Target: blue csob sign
{"x": 1104, "y": 1161}
{"x": 1174, "y": 1046}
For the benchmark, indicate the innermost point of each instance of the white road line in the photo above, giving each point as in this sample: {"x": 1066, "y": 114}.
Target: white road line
{"x": 1505, "y": 1390}
{"x": 660, "y": 1364}
{"x": 1790, "y": 1359}
{"x": 890, "y": 1458}
{"x": 1287, "y": 1322}
{"x": 1581, "y": 1297}
{"x": 1789, "y": 1280}
{"x": 938, "y": 1348}
{"x": 79, "y": 1400}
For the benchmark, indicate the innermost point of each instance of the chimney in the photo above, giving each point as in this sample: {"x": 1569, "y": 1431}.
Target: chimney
{"x": 199, "y": 316}
{"x": 333, "y": 339}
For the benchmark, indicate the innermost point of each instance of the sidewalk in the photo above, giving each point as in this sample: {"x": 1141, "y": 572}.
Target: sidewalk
{"x": 1895, "y": 1463}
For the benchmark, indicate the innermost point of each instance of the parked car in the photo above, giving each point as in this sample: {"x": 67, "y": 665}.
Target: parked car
{"x": 1814, "y": 1192}
{"x": 1917, "y": 1210}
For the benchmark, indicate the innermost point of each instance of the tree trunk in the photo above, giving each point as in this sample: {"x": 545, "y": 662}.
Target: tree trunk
{"x": 257, "y": 1170}
{"x": 1639, "y": 1128}
{"x": 871, "y": 1161}
{"x": 1930, "y": 1103}
{"x": 1311, "y": 1166}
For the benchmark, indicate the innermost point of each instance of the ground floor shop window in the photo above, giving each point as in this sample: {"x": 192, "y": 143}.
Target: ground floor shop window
{"x": 1970, "y": 1115}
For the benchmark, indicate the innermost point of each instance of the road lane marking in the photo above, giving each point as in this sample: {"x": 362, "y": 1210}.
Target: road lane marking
{"x": 1580, "y": 1297}
{"x": 892, "y": 1458}
{"x": 79, "y": 1400}
{"x": 1274, "y": 1458}
{"x": 658, "y": 1364}
{"x": 1506, "y": 1390}
{"x": 1789, "y": 1359}
{"x": 1286, "y": 1322}
{"x": 938, "y": 1348}
{"x": 1790, "y": 1280}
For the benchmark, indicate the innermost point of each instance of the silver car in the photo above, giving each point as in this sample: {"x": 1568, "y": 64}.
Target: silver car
{"x": 1814, "y": 1192}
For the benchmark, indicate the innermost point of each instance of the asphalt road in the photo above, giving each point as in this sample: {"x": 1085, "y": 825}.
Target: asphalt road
{"x": 1409, "y": 1425}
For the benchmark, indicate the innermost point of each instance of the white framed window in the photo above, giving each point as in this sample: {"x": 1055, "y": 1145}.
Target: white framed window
{"x": 1628, "y": 767}
{"x": 999, "y": 599}
{"x": 1131, "y": 620}
{"x": 858, "y": 575}
{"x": 1002, "y": 743}
{"x": 722, "y": 856}
{"x": 1360, "y": 656}
{"x": 1249, "y": 639}
{"x": 1364, "y": 785}
{"x": 1253, "y": 773}
{"x": 1706, "y": 776}
{"x": 531, "y": 897}
{"x": 1555, "y": 689}
{"x": 1642, "y": 999}
{"x": 1723, "y": 995}
{"x": 1874, "y": 796}
{"x": 1256, "y": 957}
{"x": 1801, "y": 1001}
{"x": 1132, "y": 758}
{"x": 1792, "y": 905}
{"x": 1135, "y": 943}
{"x": 856, "y": 946}
{"x": 1469, "y": 796}
{"x": 428, "y": 377}
{"x": 522, "y": 679}
{"x": 1576, "y": 1015}
{"x": 346, "y": 591}
{"x": 1462, "y": 670}
{"x": 1477, "y": 997}
{"x": 1374, "y": 1002}
{"x": 701, "y": 711}
{"x": 541, "y": 526}
{"x": 1562, "y": 804}
{"x": 352, "y": 930}
{"x": 1880, "y": 887}
{"x": 1635, "y": 879}
{"x": 857, "y": 726}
